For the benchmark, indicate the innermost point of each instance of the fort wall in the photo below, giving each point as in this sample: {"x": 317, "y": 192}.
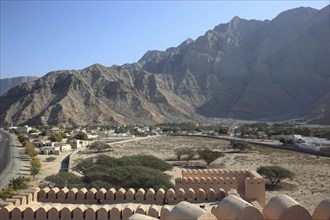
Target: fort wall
{"x": 112, "y": 196}
{"x": 249, "y": 184}
{"x": 231, "y": 207}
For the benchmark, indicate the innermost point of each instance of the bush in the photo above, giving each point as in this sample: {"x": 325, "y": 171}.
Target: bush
{"x": 146, "y": 161}
{"x": 99, "y": 146}
{"x": 286, "y": 141}
{"x": 64, "y": 179}
{"x": 275, "y": 174}
{"x": 81, "y": 136}
{"x": 30, "y": 149}
{"x": 140, "y": 171}
{"x": 22, "y": 138}
{"x": 56, "y": 137}
{"x": 50, "y": 159}
{"x": 241, "y": 146}
{"x": 184, "y": 151}
{"x": 7, "y": 193}
{"x": 35, "y": 166}
{"x": 19, "y": 183}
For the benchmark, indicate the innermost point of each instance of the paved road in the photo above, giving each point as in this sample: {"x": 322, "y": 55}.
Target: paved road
{"x": 11, "y": 158}
{"x": 5, "y": 150}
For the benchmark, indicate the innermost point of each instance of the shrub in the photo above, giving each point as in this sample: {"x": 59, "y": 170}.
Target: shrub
{"x": 140, "y": 171}
{"x": 50, "y": 159}
{"x": 19, "y": 183}
{"x": 179, "y": 152}
{"x": 64, "y": 179}
{"x": 81, "y": 136}
{"x": 275, "y": 174}
{"x": 35, "y": 166}
{"x": 99, "y": 146}
{"x": 30, "y": 149}
{"x": 56, "y": 137}
{"x": 22, "y": 138}
{"x": 286, "y": 141}
{"x": 7, "y": 193}
{"x": 147, "y": 161}
{"x": 241, "y": 146}
{"x": 131, "y": 177}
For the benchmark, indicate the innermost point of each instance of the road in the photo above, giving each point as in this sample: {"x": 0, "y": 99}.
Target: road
{"x": 11, "y": 158}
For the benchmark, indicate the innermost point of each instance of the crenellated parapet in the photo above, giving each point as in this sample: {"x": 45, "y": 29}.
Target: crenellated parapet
{"x": 25, "y": 197}
{"x": 113, "y": 196}
{"x": 231, "y": 207}
{"x": 249, "y": 184}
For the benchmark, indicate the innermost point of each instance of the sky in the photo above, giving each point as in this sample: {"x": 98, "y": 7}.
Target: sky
{"x": 42, "y": 36}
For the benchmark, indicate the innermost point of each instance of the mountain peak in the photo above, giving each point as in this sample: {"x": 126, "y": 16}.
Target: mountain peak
{"x": 185, "y": 43}
{"x": 297, "y": 13}
{"x": 244, "y": 69}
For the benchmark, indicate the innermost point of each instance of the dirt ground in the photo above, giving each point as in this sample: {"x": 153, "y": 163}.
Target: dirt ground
{"x": 310, "y": 186}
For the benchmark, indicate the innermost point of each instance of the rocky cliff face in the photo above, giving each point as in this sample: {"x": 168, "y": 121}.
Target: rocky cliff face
{"x": 245, "y": 69}
{"x": 8, "y": 83}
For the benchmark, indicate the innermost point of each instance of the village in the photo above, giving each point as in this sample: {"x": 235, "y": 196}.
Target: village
{"x": 56, "y": 140}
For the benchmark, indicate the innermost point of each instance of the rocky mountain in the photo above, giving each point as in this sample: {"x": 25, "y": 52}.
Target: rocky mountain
{"x": 244, "y": 69}
{"x": 7, "y": 83}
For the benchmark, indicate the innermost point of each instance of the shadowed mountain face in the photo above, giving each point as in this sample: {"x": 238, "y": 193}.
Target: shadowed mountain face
{"x": 245, "y": 69}
{"x": 7, "y": 83}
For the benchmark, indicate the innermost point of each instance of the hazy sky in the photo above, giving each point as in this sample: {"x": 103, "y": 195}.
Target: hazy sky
{"x": 42, "y": 36}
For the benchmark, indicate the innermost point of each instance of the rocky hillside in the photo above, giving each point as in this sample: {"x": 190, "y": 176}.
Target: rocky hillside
{"x": 245, "y": 69}
{"x": 7, "y": 83}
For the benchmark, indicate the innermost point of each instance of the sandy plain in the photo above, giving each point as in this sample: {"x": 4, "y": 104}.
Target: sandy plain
{"x": 310, "y": 186}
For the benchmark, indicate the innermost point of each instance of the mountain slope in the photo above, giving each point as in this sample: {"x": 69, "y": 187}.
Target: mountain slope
{"x": 8, "y": 83}
{"x": 245, "y": 69}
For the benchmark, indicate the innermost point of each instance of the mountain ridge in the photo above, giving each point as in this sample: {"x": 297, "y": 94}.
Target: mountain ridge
{"x": 8, "y": 83}
{"x": 244, "y": 69}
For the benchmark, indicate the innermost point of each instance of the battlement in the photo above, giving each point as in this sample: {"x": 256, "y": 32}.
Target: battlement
{"x": 112, "y": 196}
{"x": 218, "y": 191}
{"x": 229, "y": 207}
{"x": 249, "y": 184}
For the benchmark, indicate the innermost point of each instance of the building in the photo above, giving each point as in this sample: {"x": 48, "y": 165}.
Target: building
{"x": 54, "y": 148}
{"x": 75, "y": 144}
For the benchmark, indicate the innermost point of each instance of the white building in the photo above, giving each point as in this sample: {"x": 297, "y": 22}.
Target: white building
{"x": 75, "y": 144}
{"x": 310, "y": 143}
{"x": 54, "y": 148}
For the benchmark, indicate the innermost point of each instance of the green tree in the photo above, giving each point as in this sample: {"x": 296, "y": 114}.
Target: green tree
{"x": 30, "y": 149}
{"x": 275, "y": 174}
{"x": 7, "y": 193}
{"x": 83, "y": 166}
{"x": 190, "y": 154}
{"x": 179, "y": 152}
{"x": 209, "y": 155}
{"x": 35, "y": 166}
{"x": 222, "y": 130}
{"x": 81, "y": 136}
{"x": 286, "y": 141}
{"x": 139, "y": 171}
{"x": 22, "y": 138}
{"x": 241, "y": 146}
{"x": 56, "y": 137}
{"x": 19, "y": 183}
{"x": 64, "y": 179}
